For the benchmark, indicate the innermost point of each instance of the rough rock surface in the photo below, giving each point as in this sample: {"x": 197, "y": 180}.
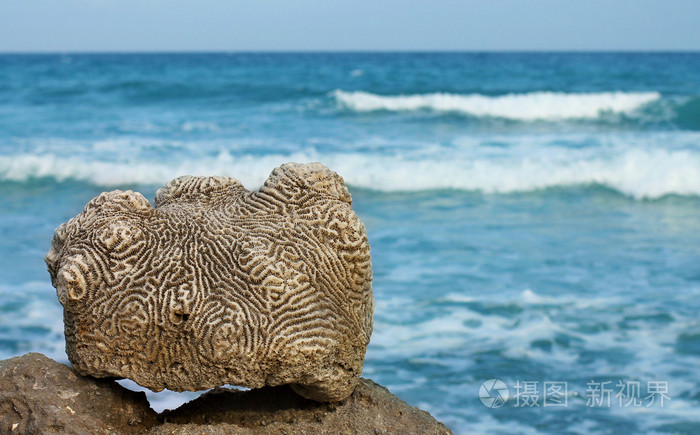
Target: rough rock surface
{"x": 218, "y": 285}
{"x": 39, "y": 395}
{"x": 371, "y": 409}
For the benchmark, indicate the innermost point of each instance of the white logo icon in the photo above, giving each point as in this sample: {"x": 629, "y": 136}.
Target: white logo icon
{"x": 493, "y": 393}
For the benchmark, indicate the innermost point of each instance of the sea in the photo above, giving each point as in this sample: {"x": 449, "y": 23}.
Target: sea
{"x": 534, "y": 218}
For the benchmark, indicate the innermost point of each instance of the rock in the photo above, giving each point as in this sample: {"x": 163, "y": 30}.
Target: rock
{"x": 370, "y": 409}
{"x": 218, "y": 285}
{"x": 39, "y": 395}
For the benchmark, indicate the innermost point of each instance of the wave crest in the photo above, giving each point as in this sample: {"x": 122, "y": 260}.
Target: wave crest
{"x": 534, "y": 106}
{"x": 635, "y": 173}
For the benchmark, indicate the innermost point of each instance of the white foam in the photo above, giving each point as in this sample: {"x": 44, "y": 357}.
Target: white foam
{"x": 549, "y": 106}
{"x": 250, "y": 170}
{"x": 639, "y": 173}
{"x": 200, "y": 126}
{"x": 463, "y": 328}
{"x": 530, "y": 297}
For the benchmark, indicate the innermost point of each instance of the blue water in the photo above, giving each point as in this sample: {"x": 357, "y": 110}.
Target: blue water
{"x": 533, "y": 217}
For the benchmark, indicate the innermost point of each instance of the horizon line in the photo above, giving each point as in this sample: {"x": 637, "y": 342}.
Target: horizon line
{"x": 349, "y": 51}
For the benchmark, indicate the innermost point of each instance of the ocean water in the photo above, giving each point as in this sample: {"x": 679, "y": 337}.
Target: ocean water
{"x": 533, "y": 217}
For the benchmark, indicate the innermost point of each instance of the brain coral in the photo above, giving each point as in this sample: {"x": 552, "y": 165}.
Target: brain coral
{"x": 219, "y": 285}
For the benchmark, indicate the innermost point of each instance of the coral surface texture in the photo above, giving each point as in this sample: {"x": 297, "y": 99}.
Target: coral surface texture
{"x": 220, "y": 285}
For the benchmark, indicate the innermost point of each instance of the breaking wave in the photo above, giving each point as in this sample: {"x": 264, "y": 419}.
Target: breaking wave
{"x": 636, "y": 173}
{"x": 546, "y": 106}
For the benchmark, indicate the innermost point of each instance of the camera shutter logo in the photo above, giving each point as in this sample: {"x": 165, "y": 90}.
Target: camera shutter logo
{"x": 494, "y": 393}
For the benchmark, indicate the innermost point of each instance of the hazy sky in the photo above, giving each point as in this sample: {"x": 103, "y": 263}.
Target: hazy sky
{"x": 231, "y": 25}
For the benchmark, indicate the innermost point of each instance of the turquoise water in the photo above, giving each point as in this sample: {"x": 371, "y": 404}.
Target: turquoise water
{"x": 532, "y": 217}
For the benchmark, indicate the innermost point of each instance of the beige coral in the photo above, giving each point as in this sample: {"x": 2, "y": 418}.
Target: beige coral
{"x": 218, "y": 285}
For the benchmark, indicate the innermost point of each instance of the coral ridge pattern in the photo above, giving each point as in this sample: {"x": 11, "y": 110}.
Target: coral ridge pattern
{"x": 219, "y": 285}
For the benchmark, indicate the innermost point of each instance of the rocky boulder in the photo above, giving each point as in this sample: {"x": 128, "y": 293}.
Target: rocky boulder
{"x": 370, "y": 409}
{"x": 39, "y": 395}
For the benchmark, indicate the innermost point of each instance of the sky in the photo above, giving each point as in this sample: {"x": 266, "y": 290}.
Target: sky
{"x": 333, "y": 25}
